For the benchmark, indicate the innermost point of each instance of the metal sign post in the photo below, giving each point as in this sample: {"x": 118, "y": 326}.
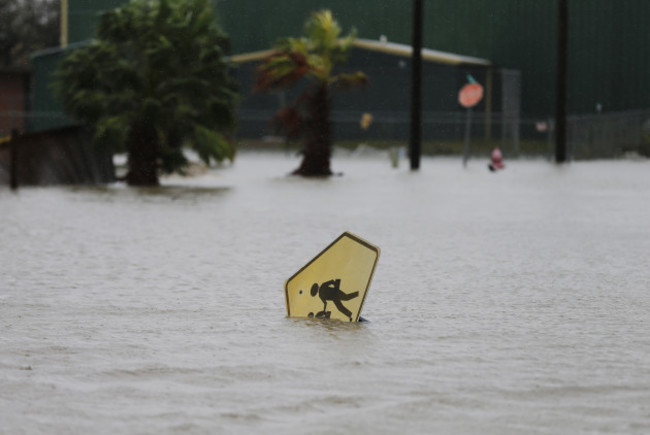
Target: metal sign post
{"x": 469, "y": 96}
{"x": 561, "y": 81}
{"x": 468, "y": 129}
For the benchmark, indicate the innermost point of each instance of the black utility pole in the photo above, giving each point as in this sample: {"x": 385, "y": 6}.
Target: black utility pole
{"x": 416, "y": 87}
{"x": 561, "y": 80}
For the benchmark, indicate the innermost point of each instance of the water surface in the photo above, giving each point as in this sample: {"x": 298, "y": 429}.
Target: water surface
{"x": 514, "y": 302}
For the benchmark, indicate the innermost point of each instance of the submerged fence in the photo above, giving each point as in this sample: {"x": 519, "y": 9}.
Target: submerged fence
{"x": 607, "y": 135}
{"x": 594, "y": 136}
{"x": 604, "y": 135}
{"x": 59, "y": 156}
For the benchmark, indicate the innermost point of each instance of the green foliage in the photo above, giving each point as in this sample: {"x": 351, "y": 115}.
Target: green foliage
{"x": 311, "y": 57}
{"x": 155, "y": 64}
{"x": 27, "y": 26}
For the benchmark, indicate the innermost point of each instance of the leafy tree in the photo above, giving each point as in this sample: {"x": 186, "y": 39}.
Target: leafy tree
{"x": 154, "y": 80}
{"x": 312, "y": 57}
{"x": 27, "y": 26}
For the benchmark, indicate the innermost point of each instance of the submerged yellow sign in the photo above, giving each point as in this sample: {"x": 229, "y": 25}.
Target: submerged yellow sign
{"x": 334, "y": 284}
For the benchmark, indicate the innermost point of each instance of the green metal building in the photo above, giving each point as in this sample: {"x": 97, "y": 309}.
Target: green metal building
{"x": 609, "y": 40}
{"x": 609, "y": 67}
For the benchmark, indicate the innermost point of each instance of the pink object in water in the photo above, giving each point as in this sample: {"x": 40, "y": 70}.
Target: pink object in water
{"x": 496, "y": 160}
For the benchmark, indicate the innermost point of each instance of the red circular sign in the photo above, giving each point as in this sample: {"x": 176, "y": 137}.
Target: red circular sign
{"x": 470, "y": 95}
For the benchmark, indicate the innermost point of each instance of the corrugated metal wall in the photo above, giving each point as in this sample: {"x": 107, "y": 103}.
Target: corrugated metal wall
{"x": 609, "y": 40}
{"x": 83, "y": 16}
{"x": 46, "y": 108}
{"x": 609, "y": 55}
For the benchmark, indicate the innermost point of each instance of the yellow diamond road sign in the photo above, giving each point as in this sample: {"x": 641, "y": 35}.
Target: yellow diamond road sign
{"x": 334, "y": 284}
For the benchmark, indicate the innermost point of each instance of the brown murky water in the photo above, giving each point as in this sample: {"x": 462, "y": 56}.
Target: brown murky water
{"x": 514, "y": 302}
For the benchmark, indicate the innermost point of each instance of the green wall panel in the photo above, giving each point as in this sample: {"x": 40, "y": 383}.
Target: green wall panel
{"x": 47, "y": 110}
{"x": 83, "y": 16}
{"x": 609, "y": 39}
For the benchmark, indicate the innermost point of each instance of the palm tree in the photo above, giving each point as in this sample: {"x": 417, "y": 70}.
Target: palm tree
{"x": 312, "y": 57}
{"x": 154, "y": 80}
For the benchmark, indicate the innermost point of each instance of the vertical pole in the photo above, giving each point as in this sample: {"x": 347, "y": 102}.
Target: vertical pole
{"x": 488, "y": 105}
{"x": 63, "y": 39}
{"x": 416, "y": 87}
{"x": 13, "y": 160}
{"x": 549, "y": 138}
{"x": 561, "y": 81}
{"x": 468, "y": 129}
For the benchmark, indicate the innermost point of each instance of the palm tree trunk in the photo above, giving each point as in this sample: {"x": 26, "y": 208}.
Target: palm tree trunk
{"x": 143, "y": 156}
{"x": 318, "y": 144}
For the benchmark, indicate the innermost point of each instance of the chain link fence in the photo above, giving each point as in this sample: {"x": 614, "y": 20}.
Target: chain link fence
{"x": 597, "y": 136}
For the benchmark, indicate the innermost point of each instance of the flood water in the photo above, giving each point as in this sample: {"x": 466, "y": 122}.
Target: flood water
{"x": 515, "y": 302}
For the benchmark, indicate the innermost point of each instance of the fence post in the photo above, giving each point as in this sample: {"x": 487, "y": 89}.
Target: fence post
{"x": 13, "y": 160}
{"x": 561, "y": 82}
{"x": 415, "y": 141}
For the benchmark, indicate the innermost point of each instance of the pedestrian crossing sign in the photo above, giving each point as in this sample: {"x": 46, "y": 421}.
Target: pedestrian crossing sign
{"x": 334, "y": 284}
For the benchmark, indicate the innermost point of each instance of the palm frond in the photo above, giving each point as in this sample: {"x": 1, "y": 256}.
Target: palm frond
{"x": 281, "y": 69}
{"x": 211, "y": 145}
{"x": 322, "y": 30}
{"x": 343, "y": 82}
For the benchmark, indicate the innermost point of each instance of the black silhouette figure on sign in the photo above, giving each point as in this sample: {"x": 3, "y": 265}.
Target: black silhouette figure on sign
{"x": 331, "y": 291}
